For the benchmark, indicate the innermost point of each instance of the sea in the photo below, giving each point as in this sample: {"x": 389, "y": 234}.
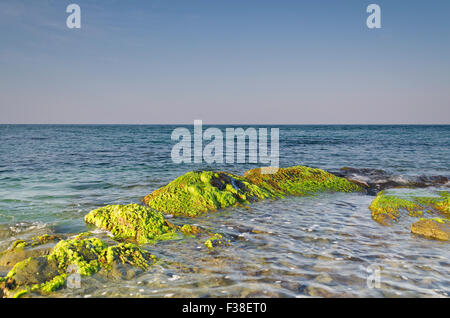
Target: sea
{"x": 325, "y": 245}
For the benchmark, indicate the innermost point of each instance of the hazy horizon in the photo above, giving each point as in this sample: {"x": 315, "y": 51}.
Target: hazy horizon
{"x": 234, "y": 62}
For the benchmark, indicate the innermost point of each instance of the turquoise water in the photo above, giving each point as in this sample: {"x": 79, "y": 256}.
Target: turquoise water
{"x": 51, "y": 176}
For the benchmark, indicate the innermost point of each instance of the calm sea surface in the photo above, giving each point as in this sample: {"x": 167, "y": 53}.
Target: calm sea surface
{"x": 51, "y": 176}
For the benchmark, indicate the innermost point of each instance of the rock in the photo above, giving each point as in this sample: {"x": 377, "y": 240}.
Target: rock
{"x": 20, "y": 250}
{"x": 432, "y": 229}
{"x": 323, "y": 278}
{"x": 34, "y": 270}
{"x": 318, "y": 292}
{"x": 199, "y": 192}
{"x": 300, "y": 180}
{"x": 375, "y": 180}
{"x": 216, "y": 240}
{"x": 132, "y": 222}
{"x": 386, "y": 208}
{"x": 83, "y": 255}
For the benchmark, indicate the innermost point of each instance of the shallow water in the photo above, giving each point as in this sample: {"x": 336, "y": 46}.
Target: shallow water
{"x": 51, "y": 176}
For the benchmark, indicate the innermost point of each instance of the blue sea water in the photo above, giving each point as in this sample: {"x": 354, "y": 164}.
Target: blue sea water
{"x": 52, "y": 175}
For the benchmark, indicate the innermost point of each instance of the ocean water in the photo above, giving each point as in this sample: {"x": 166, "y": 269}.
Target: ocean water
{"x": 324, "y": 245}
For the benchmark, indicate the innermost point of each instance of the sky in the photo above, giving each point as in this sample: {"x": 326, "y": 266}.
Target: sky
{"x": 224, "y": 62}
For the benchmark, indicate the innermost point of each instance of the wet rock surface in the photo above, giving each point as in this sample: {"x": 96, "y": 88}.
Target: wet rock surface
{"x": 376, "y": 180}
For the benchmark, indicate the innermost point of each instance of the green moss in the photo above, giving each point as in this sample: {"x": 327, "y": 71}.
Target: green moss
{"x": 17, "y": 267}
{"x": 19, "y": 244}
{"x": 216, "y": 240}
{"x": 188, "y": 229}
{"x": 132, "y": 222}
{"x": 127, "y": 253}
{"x": 83, "y": 253}
{"x": 196, "y": 192}
{"x": 44, "y": 239}
{"x": 300, "y": 180}
{"x": 20, "y": 293}
{"x": 54, "y": 284}
{"x": 88, "y": 254}
{"x": 387, "y": 207}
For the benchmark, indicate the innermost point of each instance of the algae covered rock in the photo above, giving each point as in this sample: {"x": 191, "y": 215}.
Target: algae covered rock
{"x": 83, "y": 254}
{"x": 198, "y": 192}
{"x": 20, "y": 249}
{"x": 216, "y": 240}
{"x": 300, "y": 180}
{"x": 387, "y": 206}
{"x": 132, "y": 222}
{"x": 436, "y": 229}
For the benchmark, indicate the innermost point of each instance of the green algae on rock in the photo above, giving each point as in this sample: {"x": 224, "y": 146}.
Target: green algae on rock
{"x": 436, "y": 229}
{"x": 300, "y": 180}
{"x": 84, "y": 253}
{"x": 88, "y": 255}
{"x": 191, "y": 230}
{"x": 216, "y": 240}
{"x": 21, "y": 249}
{"x": 198, "y": 192}
{"x": 132, "y": 222}
{"x": 386, "y": 206}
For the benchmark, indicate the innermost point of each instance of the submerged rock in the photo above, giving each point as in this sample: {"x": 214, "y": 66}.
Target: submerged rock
{"x": 83, "y": 255}
{"x": 386, "y": 208}
{"x": 300, "y": 180}
{"x": 132, "y": 222}
{"x": 196, "y": 192}
{"x": 436, "y": 229}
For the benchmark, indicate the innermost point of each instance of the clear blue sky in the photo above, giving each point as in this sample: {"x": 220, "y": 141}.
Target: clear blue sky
{"x": 225, "y": 61}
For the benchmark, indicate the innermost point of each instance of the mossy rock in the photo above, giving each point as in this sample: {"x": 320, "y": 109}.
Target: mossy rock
{"x": 436, "y": 229}
{"x": 216, "y": 240}
{"x": 300, "y": 180}
{"x": 88, "y": 255}
{"x": 387, "y": 206}
{"x": 198, "y": 192}
{"x": 132, "y": 222}
{"x": 21, "y": 250}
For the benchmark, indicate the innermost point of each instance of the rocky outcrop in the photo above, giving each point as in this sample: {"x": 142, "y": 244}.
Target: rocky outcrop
{"x": 132, "y": 222}
{"x": 299, "y": 181}
{"x": 199, "y": 192}
{"x": 83, "y": 255}
{"x": 387, "y": 207}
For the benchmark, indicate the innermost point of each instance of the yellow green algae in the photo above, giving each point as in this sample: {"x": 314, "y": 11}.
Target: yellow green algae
{"x": 216, "y": 240}
{"x": 132, "y": 222}
{"x": 198, "y": 192}
{"x": 299, "y": 181}
{"x": 88, "y": 255}
{"x": 386, "y": 207}
{"x": 190, "y": 230}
